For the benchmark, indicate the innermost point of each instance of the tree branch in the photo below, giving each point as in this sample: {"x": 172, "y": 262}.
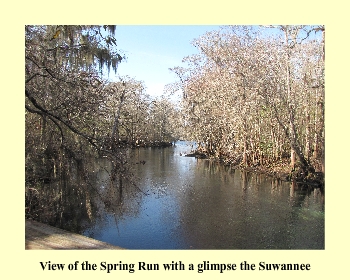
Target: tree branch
{"x": 48, "y": 113}
{"x": 53, "y": 120}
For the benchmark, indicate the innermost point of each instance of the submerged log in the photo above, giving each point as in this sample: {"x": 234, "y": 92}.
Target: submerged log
{"x": 197, "y": 154}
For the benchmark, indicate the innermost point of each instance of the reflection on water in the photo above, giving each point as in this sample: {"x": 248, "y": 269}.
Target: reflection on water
{"x": 183, "y": 203}
{"x": 199, "y": 204}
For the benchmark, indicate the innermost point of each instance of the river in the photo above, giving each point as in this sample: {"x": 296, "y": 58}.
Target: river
{"x": 181, "y": 202}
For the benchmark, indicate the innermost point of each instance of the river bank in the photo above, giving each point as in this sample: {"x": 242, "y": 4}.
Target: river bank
{"x": 279, "y": 170}
{"x": 178, "y": 202}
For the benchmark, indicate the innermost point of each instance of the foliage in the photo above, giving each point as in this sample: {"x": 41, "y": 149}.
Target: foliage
{"x": 251, "y": 98}
{"x": 137, "y": 119}
{"x": 72, "y": 112}
{"x": 63, "y": 92}
{"x": 72, "y": 115}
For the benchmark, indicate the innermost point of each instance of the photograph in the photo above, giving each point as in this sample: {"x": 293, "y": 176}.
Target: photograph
{"x": 174, "y": 137}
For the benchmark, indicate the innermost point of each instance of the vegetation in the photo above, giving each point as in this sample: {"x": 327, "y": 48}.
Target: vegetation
{"x": 258, "y": 101}
{"x": 72, "y": 113}
{"x": 248, "y": 100}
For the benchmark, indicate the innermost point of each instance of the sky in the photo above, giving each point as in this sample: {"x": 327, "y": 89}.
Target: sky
{"x": 152, "y": 50}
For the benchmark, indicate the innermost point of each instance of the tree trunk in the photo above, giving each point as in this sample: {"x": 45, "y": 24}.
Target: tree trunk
{"x": 245, "y": 160}
{"x": 307, "y": 137}
{"x": 115, "y": 129}
{"x": 292, "y": 158}
{"x": 293, "y": 137}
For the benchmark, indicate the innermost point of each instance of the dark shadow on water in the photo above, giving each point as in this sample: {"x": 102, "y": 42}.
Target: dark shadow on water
{"x": 177, "y": 202}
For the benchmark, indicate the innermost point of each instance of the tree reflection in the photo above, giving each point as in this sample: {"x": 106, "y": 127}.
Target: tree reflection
{"x": 85, "y": 191}
{"x": 249, "y": 211}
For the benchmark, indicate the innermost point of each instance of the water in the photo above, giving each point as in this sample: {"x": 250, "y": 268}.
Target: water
{"x": 184, "y": 203}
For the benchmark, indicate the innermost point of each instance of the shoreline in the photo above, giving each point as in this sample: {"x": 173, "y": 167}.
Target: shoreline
{"x": 281, "y": 171}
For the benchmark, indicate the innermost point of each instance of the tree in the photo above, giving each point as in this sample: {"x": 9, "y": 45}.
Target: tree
{"x": 63, "y": 70}
{"x": 293, "y": 94}
{"x": 126, "y": 110}
{"x": 250, "y": 98}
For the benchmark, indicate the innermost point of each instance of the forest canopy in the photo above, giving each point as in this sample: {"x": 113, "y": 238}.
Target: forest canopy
{"x": 72, "y": 111}
{"x": 251, "y": 98}
{"x": 254, "y": 96}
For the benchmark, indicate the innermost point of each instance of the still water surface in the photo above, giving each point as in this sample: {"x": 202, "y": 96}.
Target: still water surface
{"x": 188, "y": 203}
